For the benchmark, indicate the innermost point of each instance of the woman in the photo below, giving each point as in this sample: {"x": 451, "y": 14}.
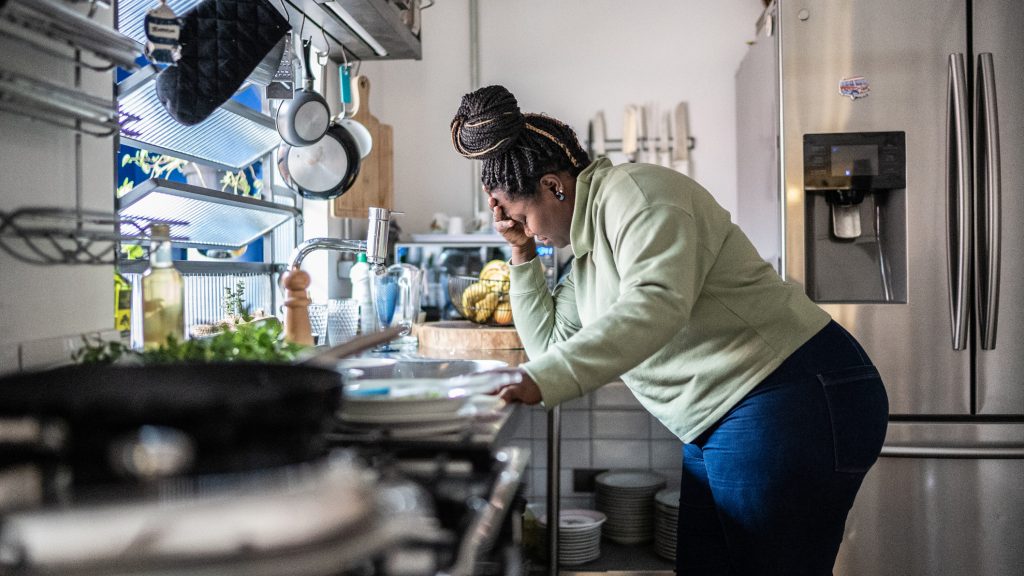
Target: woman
{"x": 780, "y": 410}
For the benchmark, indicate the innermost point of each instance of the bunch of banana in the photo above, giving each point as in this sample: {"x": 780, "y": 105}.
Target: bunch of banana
{"x": 489, "y": 297}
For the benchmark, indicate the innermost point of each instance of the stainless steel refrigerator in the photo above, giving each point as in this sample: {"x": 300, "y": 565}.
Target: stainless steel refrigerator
{"x": 881, "y": 156}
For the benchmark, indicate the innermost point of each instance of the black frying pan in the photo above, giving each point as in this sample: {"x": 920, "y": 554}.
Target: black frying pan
{"x": 324, "y": 170}
{"x": 235, "y": 417}
{"x": 303, "y": 120}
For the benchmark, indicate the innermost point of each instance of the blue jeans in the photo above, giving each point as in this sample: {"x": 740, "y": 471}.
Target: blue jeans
{"x": 766, "y": 490}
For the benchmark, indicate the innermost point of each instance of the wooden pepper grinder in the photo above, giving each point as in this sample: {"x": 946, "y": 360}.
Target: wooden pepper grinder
{"x": 297, "y": 328}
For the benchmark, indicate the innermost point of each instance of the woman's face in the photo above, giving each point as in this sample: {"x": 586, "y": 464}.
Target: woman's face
{"x": 543, "y": 216}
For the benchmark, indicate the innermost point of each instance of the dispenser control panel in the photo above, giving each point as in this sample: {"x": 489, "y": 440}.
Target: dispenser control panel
{"x": 855, "y": 161}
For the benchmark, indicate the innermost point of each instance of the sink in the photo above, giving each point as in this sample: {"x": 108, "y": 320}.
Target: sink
{"x": 405, "y": 367}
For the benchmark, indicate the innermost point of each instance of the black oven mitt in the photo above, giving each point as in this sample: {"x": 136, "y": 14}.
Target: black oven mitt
{"x": 222, "y": 42}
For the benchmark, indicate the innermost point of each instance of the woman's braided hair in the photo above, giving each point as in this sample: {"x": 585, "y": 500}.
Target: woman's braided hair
{"x": 516, "y": 148}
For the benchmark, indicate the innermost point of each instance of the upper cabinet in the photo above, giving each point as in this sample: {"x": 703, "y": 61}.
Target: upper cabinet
{"x": 368, "y": 29}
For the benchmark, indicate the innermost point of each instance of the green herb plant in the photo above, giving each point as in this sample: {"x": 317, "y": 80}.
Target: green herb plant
{"x": 234, "y": 304}
{"x": 257, "y": 342}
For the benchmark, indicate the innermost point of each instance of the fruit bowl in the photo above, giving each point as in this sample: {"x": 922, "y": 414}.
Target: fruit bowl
{"x": 481, "y": 301}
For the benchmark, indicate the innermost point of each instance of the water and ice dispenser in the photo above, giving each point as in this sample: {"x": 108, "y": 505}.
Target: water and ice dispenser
{"x": 855, "y": 217}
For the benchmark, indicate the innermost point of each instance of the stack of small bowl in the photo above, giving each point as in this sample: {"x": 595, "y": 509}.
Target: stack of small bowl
{"x": 666, "y": 518}
{"x": 579, "y": 536}
{"x": 627, "y": 498}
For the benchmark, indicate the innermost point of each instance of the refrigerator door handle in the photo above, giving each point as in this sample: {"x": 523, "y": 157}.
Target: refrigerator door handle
{"x": 958, "y": 199}
{"x": 953, "y": 452}
{"x": 987, "y": 187}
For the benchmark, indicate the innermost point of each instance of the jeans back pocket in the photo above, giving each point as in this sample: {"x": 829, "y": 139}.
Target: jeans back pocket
{"x": 859, "y": 410}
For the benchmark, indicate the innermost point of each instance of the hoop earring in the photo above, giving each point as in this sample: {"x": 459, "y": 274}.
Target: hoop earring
{"x": 560, "y": 195}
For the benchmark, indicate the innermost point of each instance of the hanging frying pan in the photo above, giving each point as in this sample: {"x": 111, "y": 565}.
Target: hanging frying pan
{"x": 324, "y": 170}
{"x": 303, "y": 120}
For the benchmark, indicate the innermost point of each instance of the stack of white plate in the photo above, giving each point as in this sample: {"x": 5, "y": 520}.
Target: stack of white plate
{"x": 666, "y": 518}
{"x": 579, "y": 536}
{"x": 627, "y": 498}
{"x": 404, "y": 408}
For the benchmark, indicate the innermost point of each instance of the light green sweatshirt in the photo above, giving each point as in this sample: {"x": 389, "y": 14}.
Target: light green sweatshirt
{"x": 666, "y": 293}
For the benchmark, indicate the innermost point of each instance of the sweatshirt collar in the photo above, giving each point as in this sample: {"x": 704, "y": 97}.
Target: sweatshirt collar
{"x": 581, "y": 233}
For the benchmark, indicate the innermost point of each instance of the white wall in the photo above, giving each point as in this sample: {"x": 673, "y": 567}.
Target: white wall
{"x": 568, "y": 59}
{"x": 41, "y": 303}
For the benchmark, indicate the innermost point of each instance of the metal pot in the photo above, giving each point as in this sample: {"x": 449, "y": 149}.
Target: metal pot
{"x": 324, "y": 170}
{"x": 303, "y": 120}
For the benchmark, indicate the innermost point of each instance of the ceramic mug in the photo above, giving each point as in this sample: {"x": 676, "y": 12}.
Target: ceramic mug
{"x": 456, "y": 226}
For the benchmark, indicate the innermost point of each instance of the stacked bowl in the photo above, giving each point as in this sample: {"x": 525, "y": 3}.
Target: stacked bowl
{"x": 627, "y": 498}
{"x": 666, "y": 518}
{"x": 579, "y": 536}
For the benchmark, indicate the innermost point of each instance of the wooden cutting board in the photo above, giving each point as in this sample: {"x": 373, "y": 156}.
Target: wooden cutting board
{"x": 465, "y": 335}
{"x": 375, "y": 185}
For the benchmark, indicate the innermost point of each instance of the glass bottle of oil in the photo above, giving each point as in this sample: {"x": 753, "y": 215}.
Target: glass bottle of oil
{"x": 163, "y": 292}
{"x": 122, "y": 306}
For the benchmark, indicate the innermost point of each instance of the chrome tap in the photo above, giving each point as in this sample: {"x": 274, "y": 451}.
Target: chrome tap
{"x": 375, "y": 246}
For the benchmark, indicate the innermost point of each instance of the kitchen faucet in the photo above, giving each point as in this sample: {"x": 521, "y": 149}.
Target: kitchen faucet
{"x": 295, "y": 281}
{"x": 375, "y": 246}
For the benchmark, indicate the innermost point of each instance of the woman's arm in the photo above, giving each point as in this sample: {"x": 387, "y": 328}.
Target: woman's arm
{"x": 542, "y": 318}
{"x": 662, "y": 267}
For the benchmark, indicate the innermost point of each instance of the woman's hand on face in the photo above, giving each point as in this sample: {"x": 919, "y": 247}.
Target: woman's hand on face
{"x": 526, "y": 391}
{"x": 524, "y": 247}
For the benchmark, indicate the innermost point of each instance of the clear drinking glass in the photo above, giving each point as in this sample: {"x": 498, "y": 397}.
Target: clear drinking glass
{"x": 342, "y": 320}
{"x": 396, "y": 299}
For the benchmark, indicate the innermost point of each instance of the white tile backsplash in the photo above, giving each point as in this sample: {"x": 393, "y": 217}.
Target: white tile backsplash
{"x": 666, "y": 454}
{"x": 621, "y": 454}
{"x": 607, "y": 429}
{"x": 539, "y": 453}
{"x": 576, "y": 425}
{"x": 623, "y": 424}
{"x": 575, "y": 454}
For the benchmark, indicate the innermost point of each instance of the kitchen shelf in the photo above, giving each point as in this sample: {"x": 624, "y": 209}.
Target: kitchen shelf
{"x": 214, "y": 219}
{"x": 377, "y": 21}
{"x": 54, "y": 104}
{"x": 233, "y": 137}
{"x": 52, "y": 27}
{"x": 188, "y": 267}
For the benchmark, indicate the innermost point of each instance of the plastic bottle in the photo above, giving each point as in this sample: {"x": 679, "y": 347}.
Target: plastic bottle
{"x": 359, "y": 274}
{"x": 163, "y": 293}
{"x": 122, "y": 306}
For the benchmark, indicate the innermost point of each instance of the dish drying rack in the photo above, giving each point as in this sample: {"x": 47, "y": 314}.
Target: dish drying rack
{"x": 45, "y": 235}
{"x": 50, "y": 236}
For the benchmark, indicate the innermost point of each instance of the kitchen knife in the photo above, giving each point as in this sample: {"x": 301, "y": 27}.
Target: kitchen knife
{"x": 597, "y": 144}
{"x": 681, "y": 139}
{"x": 629, "y": 133}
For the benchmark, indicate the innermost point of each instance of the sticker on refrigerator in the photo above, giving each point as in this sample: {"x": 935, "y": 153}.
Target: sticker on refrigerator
{"x": 855, "y": 87}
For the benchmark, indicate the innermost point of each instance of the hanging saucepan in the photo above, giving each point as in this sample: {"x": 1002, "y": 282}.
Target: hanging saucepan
{"x": 303, "y": 120}
{"x": 324, "y": 170}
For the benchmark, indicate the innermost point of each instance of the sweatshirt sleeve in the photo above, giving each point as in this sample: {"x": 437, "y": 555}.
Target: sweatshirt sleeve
{"x": 542, "y": 317}
{"x": 661, "y": 268}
